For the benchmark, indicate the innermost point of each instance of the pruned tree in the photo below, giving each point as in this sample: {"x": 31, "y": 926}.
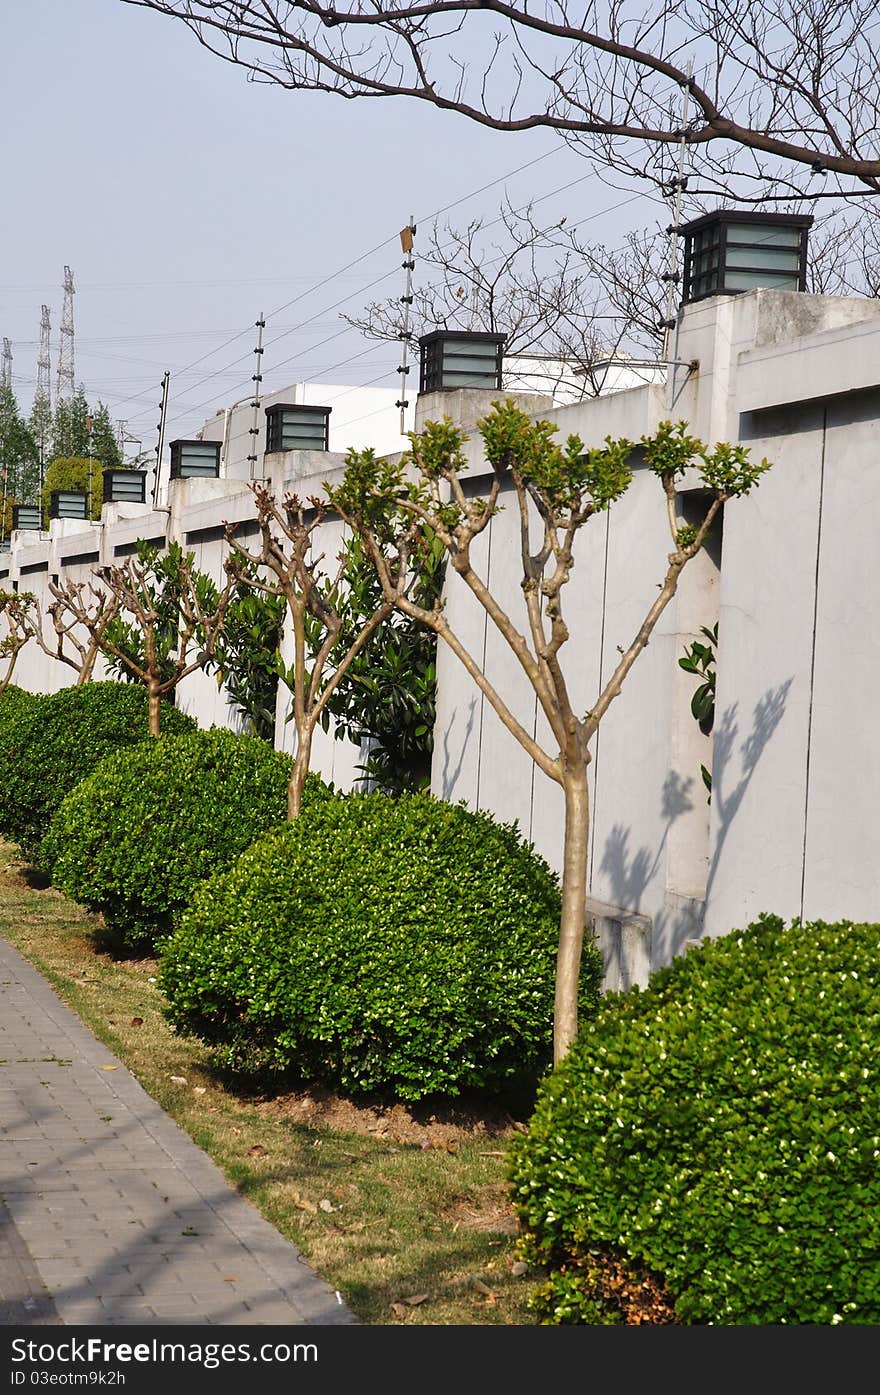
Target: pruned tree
{"x": 176, "y": 615}
{"x": 16, "y": 612}
{"x": 783, "y": 98}
{"x": 386, "y": 700}
{"x": 327, "y": 637}
{"x": 555, "y": 491}
{"x": 245, "y": 660}
{"x": 80, "y": 613}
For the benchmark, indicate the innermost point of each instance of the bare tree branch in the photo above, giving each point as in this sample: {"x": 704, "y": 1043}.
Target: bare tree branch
{"x": 776, "y": 90}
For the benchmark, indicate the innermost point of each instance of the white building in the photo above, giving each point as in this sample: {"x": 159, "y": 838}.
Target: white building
{"x": 359, "y": 417}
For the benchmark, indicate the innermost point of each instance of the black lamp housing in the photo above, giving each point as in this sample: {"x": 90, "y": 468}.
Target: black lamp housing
{"x": 68, "y": 503}
{"x": 297, "y": 426}
{"x": 194, "y": 459}
{"x": 458, "y": 359}
{"x": 27, "y": 517}
{"x": 728, "y": 252}
{"x": 124, "y": 487}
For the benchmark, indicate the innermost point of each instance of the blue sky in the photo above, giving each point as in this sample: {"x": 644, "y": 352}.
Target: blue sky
{"x": 186, "y": 201}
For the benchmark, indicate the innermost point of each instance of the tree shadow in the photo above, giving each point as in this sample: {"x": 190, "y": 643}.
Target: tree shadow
{"x": 630, "y": 874}
{"x": 726, "y": 802}
{"x": 450, "y": 777}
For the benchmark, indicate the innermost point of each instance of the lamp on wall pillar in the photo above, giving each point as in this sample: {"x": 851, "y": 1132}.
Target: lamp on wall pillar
{"x": 728, "y": 252}
{"x": 194, "y": 459}
{"x": 297, "y": 426}
{"x": 27, "y": 517}
{"x": 124, "y": 487}
{"x": 458, "y": 359}
{"x": 68, "y": 503}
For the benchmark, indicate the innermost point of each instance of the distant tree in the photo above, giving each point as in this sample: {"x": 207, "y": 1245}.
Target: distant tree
{"x": 105, "y": 446}
{"x": 71, "y": 427}
{"x": 551, "y": 293}
{"x": 581, "y": 306}
{"x": 19, "y": 458}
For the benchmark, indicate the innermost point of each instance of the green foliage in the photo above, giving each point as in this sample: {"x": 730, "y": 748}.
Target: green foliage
{"x": 15, "y": 703}
{"x": 76, "y": 473}
{"x": 563, "y": 476}
{"x": 566, "y": 479}
{"x": 51, "y": 744}
{"x": 16, "y": 699}
{"x": 162, "y": 581}
{"x": 699, "y": 659}
{"x": 135, "y": 837}
{"x": 82, "y": 445}
{"x": 388, "y": 692}
{"x": 246, "y": 661}
{"x": 718, "y": 1130}
{"x": 70, "y": 426}
{"x": 104, "y": 444}
{"x": 19, "y": 459}
{"x": 379, "y": 945}
{"x": 727, "y": 470}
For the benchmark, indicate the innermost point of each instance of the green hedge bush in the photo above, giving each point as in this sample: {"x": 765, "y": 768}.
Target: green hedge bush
{"x": 378, "y": 946}
{"x": 13, "y": 699}
{"x": 15, "y": 706}
{"x": 716, "y": 1137}
{"x": 54, "y": 742}
{"x": 135, "y": 837}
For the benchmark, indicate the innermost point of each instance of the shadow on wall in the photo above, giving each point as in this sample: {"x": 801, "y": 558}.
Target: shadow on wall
{"x": 451, "y": 777}
{"x": 726, "y": 799}
{"x": 630, "y": 873}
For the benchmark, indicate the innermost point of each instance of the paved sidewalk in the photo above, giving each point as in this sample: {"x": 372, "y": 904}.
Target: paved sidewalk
{"x": 109, "y": 1213}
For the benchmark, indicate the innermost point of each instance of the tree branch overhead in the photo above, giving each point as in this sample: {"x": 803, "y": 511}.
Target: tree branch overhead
{"x": 775, "y": 89}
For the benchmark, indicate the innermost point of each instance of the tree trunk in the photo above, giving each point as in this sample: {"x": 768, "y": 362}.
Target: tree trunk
{"x": 574, "y": 897}
{"x": 299, "y": 772}
{"x": 88, "y": 668}
{"x": 154, "y": 699}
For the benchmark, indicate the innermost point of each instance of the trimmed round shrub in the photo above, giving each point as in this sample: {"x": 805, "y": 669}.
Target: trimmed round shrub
{"x": 53, "y": 743}
{"x": 136, "y": 836}
{"x": 712, "y": 1142}
{"x": 14, "y": 699}
{"x": 377, "y": 946}
{"x": 15, "y": 702}
{"x": 15, "y": 706}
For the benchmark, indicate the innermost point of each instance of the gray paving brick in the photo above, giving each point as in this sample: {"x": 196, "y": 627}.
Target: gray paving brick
{"x": 92, "y": 1211}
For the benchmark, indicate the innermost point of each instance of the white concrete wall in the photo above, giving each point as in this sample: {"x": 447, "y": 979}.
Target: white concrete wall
{"x": 793, "y": 825}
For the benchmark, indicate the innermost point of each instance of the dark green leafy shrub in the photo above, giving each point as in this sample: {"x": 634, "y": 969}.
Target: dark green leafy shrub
{"x": 376, "y": 945}
{"x": 56, "y": 741}
{"x": 718, "y": 1131}
{"x": 134, "y": 838}
{"x": 15, "y": 699}
{"x": 16, "y": 705}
